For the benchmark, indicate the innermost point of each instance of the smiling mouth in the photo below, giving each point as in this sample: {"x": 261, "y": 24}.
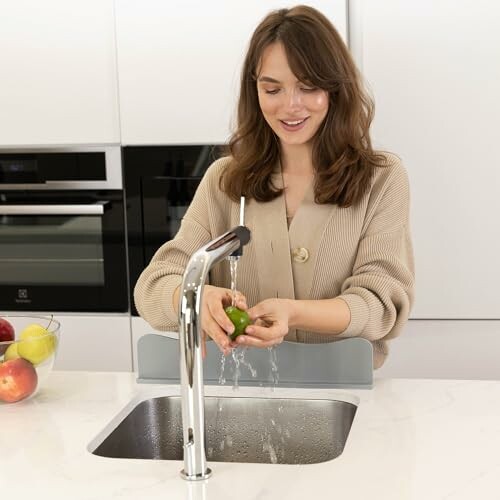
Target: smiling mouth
{"x": 293, "y": 123}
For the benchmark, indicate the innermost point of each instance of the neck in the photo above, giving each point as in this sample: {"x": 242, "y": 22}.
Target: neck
{"x": 297, "y": 159}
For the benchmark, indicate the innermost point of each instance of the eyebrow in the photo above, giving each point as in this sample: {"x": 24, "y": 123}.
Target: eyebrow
{"x": 268, "y": 79}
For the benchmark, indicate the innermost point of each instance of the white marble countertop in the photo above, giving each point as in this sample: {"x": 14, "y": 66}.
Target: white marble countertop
{"x": 410, "y": 439}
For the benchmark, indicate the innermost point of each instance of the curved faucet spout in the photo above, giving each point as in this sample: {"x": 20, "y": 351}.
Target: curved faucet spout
{"x": 190, "y": 339}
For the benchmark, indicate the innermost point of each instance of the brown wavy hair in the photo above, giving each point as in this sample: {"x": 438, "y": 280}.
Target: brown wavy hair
{"x": 342, "y": 154}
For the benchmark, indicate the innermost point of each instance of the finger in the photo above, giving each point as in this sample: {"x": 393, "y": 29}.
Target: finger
{"x": 215, "y": 332}
{"x": 241, "y": 303}
{"x": 248, "y": 341}
{"x": 223, "y": 349}
{"x": 256, "y": 312}
{"x": 227, "y": 297}
{"x": 241, "y": 299}
{"x": 219, "y": 315}
{"x": 265, "y": 332}
{"x": 204, "y": 346}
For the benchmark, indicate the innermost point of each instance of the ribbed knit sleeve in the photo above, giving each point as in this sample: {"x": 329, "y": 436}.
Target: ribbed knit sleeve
{"x": 154, "y": 289}
{"x": 380, "y": 291}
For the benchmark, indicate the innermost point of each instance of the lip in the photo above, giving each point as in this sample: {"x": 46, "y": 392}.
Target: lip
{"x": 294, "y": 128}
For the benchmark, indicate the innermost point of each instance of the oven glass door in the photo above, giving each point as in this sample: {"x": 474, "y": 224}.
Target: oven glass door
{"x": 160, "y": 182}
{"x": 164, "y": 203}
{"x": 63, "y": 254}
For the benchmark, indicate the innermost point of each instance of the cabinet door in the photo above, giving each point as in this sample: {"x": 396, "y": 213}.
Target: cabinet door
{"x": 179, "y": 63}
{"x": 58, "y": 73}
{"x": 434, "y": 69}
{"x": 94, "y": 342}
{"x": 445, "y": 349}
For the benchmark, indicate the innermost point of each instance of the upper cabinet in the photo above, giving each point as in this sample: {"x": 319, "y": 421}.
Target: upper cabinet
{"x": 104, "y": 71}
{"x": 434, "y": 69}
{"x": 58, "y": 81}
{"x": 179, "y": 64}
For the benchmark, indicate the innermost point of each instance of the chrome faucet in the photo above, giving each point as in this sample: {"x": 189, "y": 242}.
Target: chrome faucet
{"x": 190, "y": 342}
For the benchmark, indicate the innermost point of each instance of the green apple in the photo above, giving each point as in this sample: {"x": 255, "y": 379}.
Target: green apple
{"x": 36, "y": 343}
{"x": 11, "y": 352}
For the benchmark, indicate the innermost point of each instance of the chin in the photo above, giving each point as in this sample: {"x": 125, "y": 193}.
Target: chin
{"x": 294, "y": 138}
{"x": 295, "y": 141}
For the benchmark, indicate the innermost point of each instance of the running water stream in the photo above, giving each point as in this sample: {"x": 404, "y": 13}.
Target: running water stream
{"x": 238, "y": 354}
{"x": 233, "y": 266}
{"x": 273, "y": 436}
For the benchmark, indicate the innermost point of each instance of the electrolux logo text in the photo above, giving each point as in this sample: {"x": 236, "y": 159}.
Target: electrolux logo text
{"x": 22, "y": 296}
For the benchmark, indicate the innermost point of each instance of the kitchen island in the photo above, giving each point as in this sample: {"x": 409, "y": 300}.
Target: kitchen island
{"x": 410, "y": 439}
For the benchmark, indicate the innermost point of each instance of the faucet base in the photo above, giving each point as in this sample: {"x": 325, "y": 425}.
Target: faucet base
{"x": 196, "y": 477}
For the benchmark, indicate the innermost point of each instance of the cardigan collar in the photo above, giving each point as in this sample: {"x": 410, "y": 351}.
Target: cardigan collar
{"x": 272, "y": 247}
{"x": 281, "y": 277}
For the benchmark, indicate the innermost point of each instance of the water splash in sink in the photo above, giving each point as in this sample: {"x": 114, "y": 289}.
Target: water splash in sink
{"x": 245, "y": 430}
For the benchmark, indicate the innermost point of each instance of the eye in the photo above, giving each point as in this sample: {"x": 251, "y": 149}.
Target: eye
{"x": 309, "y": 89}
{"x": 271, "y": 91}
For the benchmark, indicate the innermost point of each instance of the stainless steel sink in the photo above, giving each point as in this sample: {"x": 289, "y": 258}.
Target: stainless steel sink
{"x": 247, "y": 430}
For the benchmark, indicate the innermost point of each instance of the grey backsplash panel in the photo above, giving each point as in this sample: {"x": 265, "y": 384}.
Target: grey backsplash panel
{"x": 347, "y": 363}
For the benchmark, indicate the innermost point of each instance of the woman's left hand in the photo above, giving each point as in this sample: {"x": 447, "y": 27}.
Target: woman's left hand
{"x": 271, "y": 318}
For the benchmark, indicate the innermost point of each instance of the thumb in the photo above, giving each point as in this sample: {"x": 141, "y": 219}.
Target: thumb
{"x": 256, "y": 311}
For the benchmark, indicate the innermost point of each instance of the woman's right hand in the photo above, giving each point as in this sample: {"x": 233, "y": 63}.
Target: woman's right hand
{"x": 215, "y": 322}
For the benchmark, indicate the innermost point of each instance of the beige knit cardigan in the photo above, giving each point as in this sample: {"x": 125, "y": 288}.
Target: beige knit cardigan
{"x": 362, "y": 254}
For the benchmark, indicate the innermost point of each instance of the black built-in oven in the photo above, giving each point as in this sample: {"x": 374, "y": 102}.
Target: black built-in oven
{"x": 160, "y": 182}
{"x": 62, "y": 230}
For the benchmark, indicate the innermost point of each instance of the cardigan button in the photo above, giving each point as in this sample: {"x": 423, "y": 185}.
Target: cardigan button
{"x": 300, "y": 254}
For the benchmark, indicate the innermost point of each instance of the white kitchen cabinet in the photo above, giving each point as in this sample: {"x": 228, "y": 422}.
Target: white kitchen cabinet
{"x": 179, "y": 64}
{"x": 440, "y": 349}
{"x": 100, "y": 342}
{"x": 434, "y": 70}
{"x": 58, "y": 80}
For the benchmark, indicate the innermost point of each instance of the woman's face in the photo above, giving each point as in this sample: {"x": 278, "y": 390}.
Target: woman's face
{"x": 294, "y": 110}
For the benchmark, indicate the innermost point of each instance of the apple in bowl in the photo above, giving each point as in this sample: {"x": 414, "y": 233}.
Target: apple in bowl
{"x": 37, "y": 343}
{"x": 6, "y": 335}
{"x": 28, "y": 357}
{"x": 18, "y": 380}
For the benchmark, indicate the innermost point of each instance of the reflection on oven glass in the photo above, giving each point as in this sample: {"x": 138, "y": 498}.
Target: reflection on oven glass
{"x": 51, "y": 250}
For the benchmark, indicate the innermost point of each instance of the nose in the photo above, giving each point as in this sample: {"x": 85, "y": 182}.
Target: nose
{"x": 294, "y": 100}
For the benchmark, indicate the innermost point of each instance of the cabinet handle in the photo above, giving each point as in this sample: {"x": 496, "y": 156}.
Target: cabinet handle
{"x": 97, "y": 209}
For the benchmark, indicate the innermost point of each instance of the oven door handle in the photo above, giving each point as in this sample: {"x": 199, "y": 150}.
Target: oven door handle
{"x": 97, "y": 209}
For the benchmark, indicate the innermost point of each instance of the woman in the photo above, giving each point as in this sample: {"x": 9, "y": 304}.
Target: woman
{"x": 331, "y": 254}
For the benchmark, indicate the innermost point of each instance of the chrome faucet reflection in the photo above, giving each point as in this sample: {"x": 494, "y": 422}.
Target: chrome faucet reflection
{"x": 229, "y": 244}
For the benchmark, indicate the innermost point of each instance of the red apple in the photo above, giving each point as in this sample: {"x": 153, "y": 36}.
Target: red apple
{"x": 6, "y": 334}
{"x": 18, "y": 380}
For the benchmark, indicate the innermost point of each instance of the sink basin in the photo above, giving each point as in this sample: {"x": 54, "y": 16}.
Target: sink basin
{"x": 239, "y": 429}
